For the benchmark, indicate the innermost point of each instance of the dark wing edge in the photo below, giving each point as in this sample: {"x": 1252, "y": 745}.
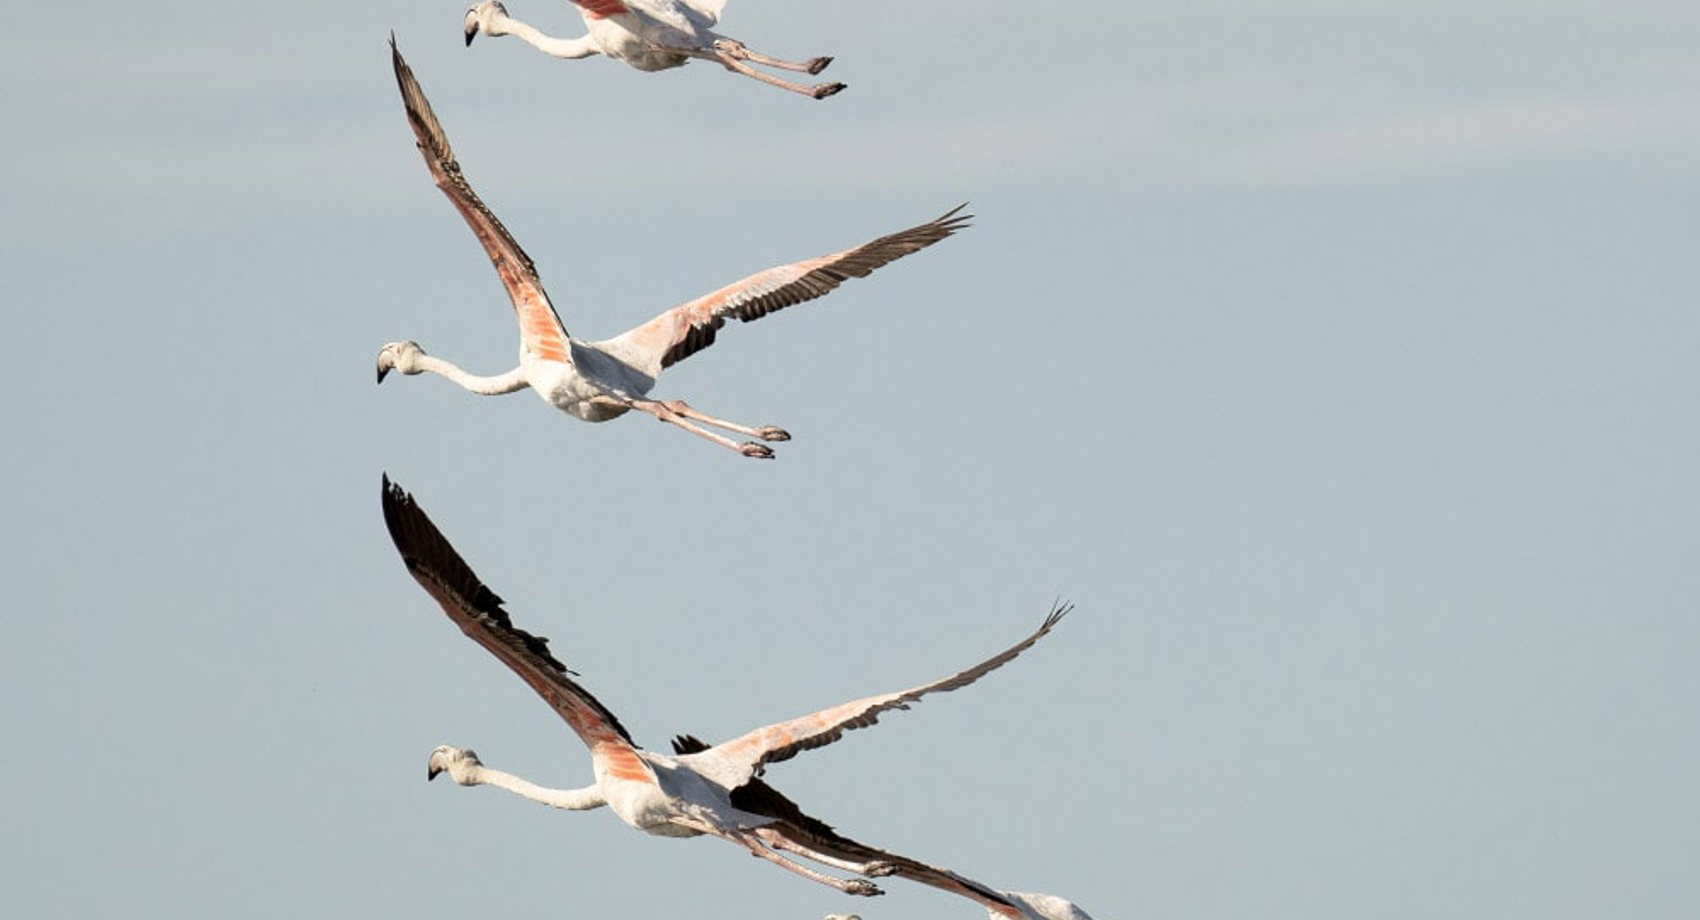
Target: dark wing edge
{"x": 433, "y": 143}
{"x": 818, "y": 281}
{"x": 440, "y": 570}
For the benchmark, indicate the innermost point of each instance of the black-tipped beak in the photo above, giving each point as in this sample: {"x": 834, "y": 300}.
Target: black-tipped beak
{"x": 381, "y": 372}
{"x": 471, "y": 30}
{"x": 431, "y": 772}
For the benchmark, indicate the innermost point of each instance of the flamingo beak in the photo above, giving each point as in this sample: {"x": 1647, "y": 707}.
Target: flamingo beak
{"x": 432, "y": 771}
{"x": 382, "y": 370}
{"x": 471, "y": 30}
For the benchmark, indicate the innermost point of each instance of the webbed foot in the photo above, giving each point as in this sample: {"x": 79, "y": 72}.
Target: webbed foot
{"x": 862, "y": 887}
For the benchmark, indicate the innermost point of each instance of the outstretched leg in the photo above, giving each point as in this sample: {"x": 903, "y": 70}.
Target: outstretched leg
{"x": 671, "y": 414}
{"x": 738, "y": 50}
{"x": 732, "y": 62}
{"x": 874, "y": 868}
{"x": 832, "y": 849}
{"x": 766, "y": 433}
{"x": 665, "y": 414}
{"x": 749, "y": 841}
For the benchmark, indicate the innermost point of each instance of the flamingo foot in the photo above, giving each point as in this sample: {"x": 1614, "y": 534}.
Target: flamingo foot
{"x": 879, "y": 869}
{"x": 861, "y": 886}
{"x": 758, "y": 451}
{"x": 771, "y": 433}
{"x": 823, "y": 90}
{"x": 816, "y": 65}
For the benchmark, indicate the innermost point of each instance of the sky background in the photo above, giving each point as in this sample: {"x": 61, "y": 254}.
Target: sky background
{"x": 1337, "y": 359}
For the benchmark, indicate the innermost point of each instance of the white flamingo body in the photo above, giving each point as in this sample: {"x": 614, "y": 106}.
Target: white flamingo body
{"x": 649, "y": 35}
{"x": 700, "y": 789}
{"x": 600, "y": 380}
{"x": 639, "y": 31}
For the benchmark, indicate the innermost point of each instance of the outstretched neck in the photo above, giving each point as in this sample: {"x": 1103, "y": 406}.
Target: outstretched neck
{"x": 570, "y": 799}
{"x": 559, "y": 47}
{"x": 484, "y": 386}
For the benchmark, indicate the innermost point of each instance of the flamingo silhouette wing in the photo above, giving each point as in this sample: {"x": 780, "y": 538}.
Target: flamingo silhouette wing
{"x": 478, "y": 612}
{"x": 735, "y": 762}
{"x": 541, "y": 329}
{"x": 689, "y": 328}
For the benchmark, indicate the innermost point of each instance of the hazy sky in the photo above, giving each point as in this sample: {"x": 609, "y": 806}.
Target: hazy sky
{"x": 1337, "y": 359}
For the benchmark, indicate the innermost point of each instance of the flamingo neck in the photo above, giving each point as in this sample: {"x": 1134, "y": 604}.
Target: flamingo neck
{"x": 559, "y": 47}
{"x": 570, "y": 799}
{"x": 484, "y": 386}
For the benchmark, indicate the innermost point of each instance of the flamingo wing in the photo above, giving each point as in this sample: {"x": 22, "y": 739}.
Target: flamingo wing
{"x": 541, "y": 331}
{"x": 478, "y": 612}
{"x": 735, "y": 762}
{"x": 687, "y": 329}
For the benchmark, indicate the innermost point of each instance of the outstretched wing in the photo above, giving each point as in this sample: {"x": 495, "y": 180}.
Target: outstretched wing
{"x": 735, "y": 762}
{"x": 478, "y": 612}
{"x": 688, "y": 329}
{"x": 540, "y": 328}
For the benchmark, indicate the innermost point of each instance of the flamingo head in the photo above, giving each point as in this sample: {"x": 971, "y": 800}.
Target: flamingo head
{"x": 487, "y": 16}
{"x": 401, "y": 356}
{"x": 459, "y": 763}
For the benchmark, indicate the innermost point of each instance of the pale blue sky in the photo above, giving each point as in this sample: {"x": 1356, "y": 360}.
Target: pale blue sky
{"x": 1337, "y": 359}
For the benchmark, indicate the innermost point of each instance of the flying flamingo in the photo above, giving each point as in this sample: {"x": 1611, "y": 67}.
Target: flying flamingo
{"x": 597, "y": 381}
{"x": 650, "y": 35}
{"x": 1032, "y": 907}
{"x": 700, "y": 789}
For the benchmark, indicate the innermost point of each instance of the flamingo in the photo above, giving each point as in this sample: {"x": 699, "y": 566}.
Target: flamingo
{"x": 701, "y": 789}
{"x": 650, "y": 35}
{"x": 597, "y": 381}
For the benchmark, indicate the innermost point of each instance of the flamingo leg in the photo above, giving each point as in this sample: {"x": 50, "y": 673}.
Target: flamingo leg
{"x": 857, "y": 886}
{"x": 874, "y": 868}
{"x": 766, "y": 433}
{"x": 738, "y": 50}
{"x": 731, "y": 62}
{"x": 666, "y": 413}
{"x": 753, "y": 843}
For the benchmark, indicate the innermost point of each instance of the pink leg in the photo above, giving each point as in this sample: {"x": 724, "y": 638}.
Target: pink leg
{"x": 856, "y": 886}
{"x": 767, "y": 433}
{"x": 730, "y": 62}
{"x": 737, "y": 49}
{"x": 872, "y": 868}
{"x": 666, "y": 414}
{"x": 677, "y": 413}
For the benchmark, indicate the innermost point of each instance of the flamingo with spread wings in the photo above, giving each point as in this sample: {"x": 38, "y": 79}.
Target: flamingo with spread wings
{"x": 597, "y": 381}
{"x": 650, "y": 35}
{"x": 700, "y": 789}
